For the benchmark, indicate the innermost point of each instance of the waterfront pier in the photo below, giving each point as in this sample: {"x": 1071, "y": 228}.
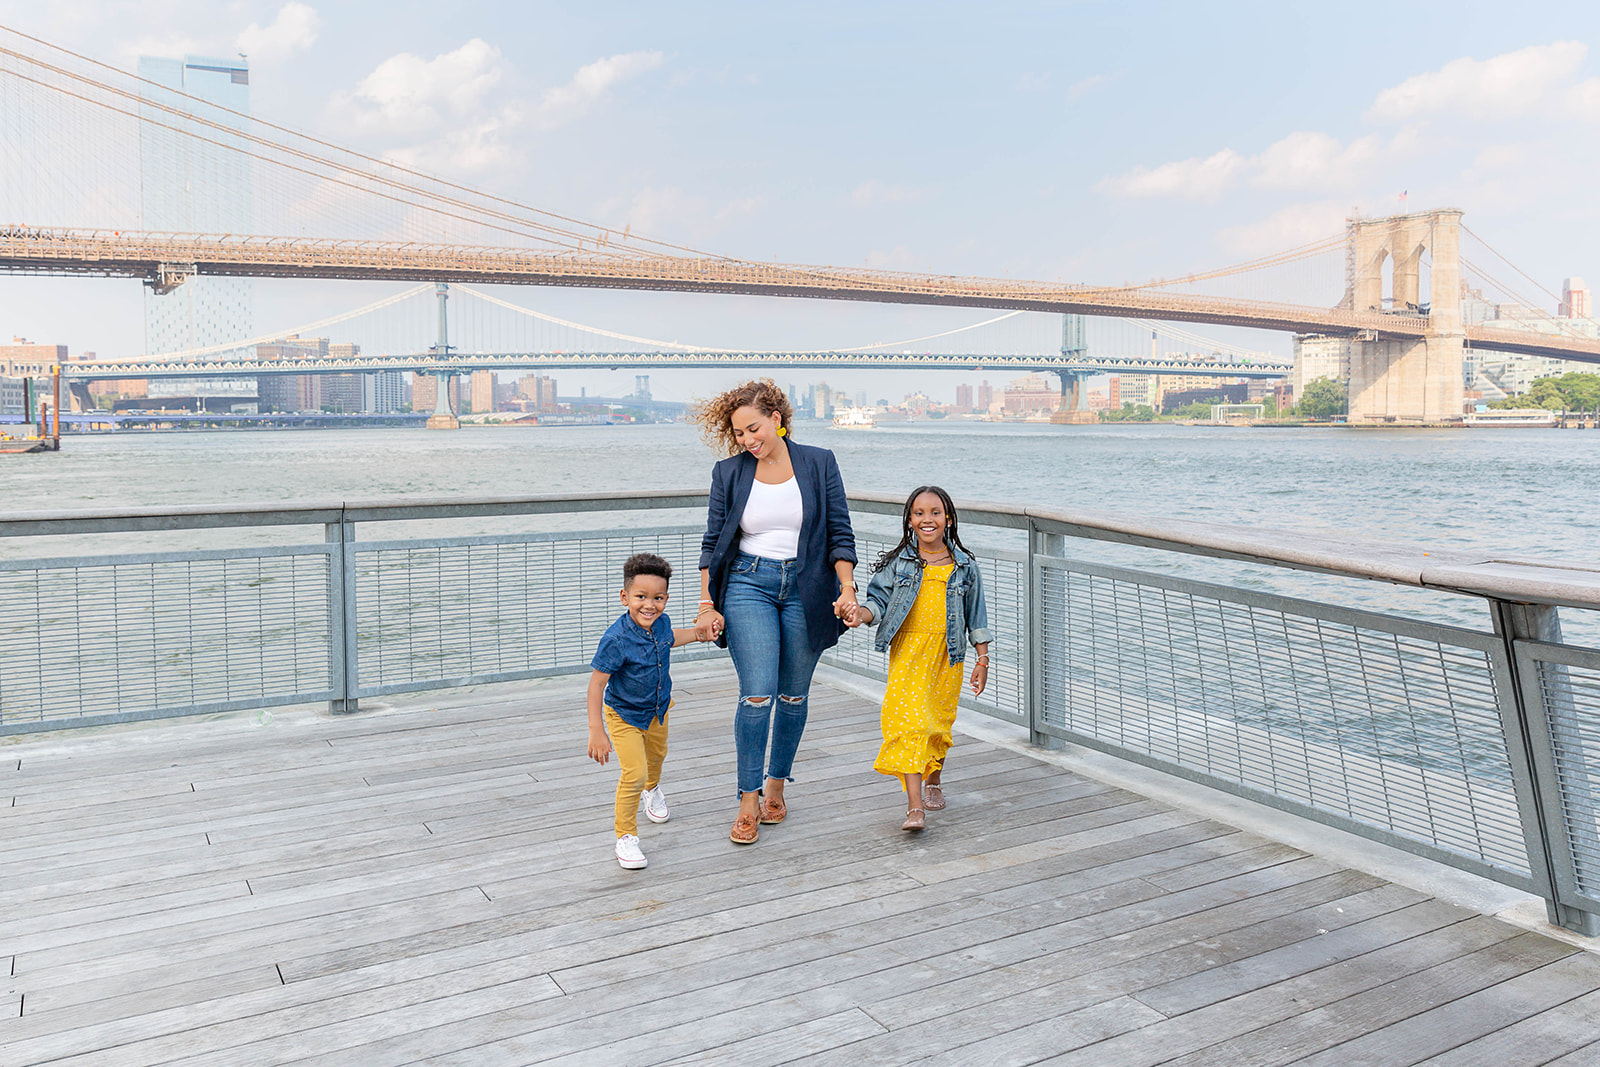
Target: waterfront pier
{"x": 321, "y": 796}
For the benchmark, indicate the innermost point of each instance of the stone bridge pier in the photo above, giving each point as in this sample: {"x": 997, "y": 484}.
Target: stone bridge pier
{"x": 1407, "y": 381}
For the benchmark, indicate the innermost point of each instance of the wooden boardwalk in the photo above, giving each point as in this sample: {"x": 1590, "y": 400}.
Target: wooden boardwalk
{"x": 434, "y": 884}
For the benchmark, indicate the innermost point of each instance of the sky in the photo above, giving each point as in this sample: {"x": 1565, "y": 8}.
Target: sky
{"x": 1087, "y": 142}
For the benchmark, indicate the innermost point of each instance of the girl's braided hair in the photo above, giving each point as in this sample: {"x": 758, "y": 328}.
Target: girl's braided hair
{"x": 908, "y": 537}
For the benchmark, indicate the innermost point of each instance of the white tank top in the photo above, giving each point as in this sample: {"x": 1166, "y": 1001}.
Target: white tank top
{"x": 770, "y": 526}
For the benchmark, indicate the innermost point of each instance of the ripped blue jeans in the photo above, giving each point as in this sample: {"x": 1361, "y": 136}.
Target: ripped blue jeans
{"x": 772, "y": 654}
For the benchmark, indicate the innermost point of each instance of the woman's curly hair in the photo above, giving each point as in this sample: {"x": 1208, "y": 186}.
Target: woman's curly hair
{"x": 715, "y": 416}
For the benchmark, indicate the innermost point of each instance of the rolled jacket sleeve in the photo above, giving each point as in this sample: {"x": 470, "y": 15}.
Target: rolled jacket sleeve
{"x": 841, "y": 537}
{"x": 716, "y": 516}
{"x": 977, "y": 609}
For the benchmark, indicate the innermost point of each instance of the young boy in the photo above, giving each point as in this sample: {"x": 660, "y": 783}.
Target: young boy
{"x": 629, "y": 694}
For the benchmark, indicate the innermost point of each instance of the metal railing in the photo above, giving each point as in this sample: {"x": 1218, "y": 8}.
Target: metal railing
{"x": 1480, "y": 749}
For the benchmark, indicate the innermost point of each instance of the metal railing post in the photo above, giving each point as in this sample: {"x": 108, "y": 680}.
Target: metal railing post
{"x": 1525, "y": 712}
{"x": 343, "y": 663}
{"x": 1043, "y": 640}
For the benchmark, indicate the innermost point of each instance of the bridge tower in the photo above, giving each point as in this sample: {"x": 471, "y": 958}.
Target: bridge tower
{"x": 1407, "y": 381}
{"x": 1074, "y": 348}
{"x": 443, "y": 417}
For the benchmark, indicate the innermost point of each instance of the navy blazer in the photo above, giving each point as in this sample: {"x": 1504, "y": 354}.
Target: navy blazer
{"x": 825, "y": 533}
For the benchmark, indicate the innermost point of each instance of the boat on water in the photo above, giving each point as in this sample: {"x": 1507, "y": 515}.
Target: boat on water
{"x": 1519, "y": 418}
{"x": 854, "y": 418}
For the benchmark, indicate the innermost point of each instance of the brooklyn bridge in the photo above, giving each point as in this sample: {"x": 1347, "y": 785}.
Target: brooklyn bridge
{"x": 1394, "y": 286}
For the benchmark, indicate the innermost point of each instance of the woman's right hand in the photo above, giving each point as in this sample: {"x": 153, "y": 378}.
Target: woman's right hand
{"x": 708, "y": 625}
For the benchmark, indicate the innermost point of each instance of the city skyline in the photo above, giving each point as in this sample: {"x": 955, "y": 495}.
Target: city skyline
{"x": 1189, "y": 141}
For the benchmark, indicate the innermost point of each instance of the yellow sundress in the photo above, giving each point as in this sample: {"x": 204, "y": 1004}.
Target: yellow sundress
{"x": 919, "y": 705}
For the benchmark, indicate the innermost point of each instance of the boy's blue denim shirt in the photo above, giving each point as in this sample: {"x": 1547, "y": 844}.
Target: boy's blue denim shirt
{"x": 638, "y": 660}
{"x": 894, "y": 589}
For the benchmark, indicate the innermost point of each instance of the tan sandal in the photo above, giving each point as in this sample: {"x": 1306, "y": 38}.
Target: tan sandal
{"x": 933, "y": 798}
{"x": 745, "y": 830}
{"x": 914, "y": 820}
{"x": 773, "y": 812}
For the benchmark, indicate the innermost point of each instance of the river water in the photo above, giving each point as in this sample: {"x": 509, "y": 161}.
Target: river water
{"x": 1515, "y": 493}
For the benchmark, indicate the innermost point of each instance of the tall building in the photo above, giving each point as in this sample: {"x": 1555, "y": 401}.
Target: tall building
{"x": 1316, "y": 357}
{"x": 985, "y": 395}
{"x": 964, "y": 397}
{"x": 1575, "y": 299}
{"x": 190, "y": 185}
{"x": 483, "y": 382}
{"x": 425, "y": 392}
{"x": 292, "y": 392}
{"x": 382, "y": 392}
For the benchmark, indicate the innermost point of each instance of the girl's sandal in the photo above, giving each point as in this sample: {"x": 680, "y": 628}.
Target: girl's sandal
{"x": 914, "y": 820}
{"x": 933, "y": 798}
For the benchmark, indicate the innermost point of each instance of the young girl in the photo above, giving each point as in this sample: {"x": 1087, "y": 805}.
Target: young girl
{"x": 926, "y": 596}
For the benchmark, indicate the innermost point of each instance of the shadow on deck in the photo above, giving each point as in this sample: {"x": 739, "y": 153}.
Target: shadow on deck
{"x": 435, "y": 883}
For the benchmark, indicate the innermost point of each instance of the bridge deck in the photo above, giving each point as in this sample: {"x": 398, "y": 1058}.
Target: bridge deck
{"x": 435, "y": 883}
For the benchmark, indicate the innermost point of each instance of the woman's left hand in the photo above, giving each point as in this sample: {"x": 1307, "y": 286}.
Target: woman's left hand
{"x": 980, "y": 678}
{"x": 846, "y": 601}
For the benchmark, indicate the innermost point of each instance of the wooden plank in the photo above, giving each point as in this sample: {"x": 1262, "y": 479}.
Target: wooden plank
{"x": 1427, "y": 1033}
{"x": 1234, "y": 1032}
{"x": 1564, "y": 1030}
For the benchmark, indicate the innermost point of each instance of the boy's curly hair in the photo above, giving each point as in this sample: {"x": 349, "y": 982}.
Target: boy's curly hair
{"x": 715, "y": 416}
{"x": 645, "y": 563}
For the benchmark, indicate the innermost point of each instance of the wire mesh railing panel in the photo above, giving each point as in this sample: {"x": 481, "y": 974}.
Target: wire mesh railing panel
{"x": 1385, "y": 724}
{"x": 1569, "y": 686}
{"x": 465, "y": 610}
{"x": 1006, "y": 593}
{"x": 139, "y": 637}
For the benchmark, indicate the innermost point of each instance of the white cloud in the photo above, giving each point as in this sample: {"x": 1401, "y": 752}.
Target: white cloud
{"x": 408, "y": 94}
{"x": 1188, "y": 179}
{"x": 1089, "y": 84}
{"x": 1507, "y": 85}
{"x": 1304, "y": 160}
{"x": 1028, "y": 82}
{"x": 875, "y": 192}
{"x": 564, "y": 102}
{"x": 1289, "y": 226}
{"x": 669, "y": 213}
{"x": 294, "y": 30}
{"x": 1308, "y": 160}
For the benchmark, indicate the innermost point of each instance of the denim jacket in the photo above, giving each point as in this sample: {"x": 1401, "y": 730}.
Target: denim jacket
{"x": 894, "y": 589}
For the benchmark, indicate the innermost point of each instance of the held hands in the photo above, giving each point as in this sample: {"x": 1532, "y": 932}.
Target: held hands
{"x": 857, "y": 615}
{"x": 708, "y": 625}
{"x": 846, "y": 607}
{"x": 599, "y": 747}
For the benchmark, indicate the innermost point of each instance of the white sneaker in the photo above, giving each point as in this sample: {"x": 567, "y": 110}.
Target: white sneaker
{"x": 655, "y": 805}
{"x": 628, "y": 855}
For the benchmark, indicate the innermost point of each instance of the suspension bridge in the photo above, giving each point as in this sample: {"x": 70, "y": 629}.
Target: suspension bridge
{"x": 289, "y": 205}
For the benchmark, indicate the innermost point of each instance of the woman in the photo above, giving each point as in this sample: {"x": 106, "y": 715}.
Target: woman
{"x": 777, "y": 575}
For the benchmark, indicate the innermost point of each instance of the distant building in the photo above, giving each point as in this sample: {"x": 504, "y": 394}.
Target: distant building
{"x": 1236, "y": 393}
{"x": 963, "y": 398}
{"x": 382, "y": 392}
{"x": 1317, "y": 356}
{"x": 291, "y": 392}
{"x": 1575, "y": 299}
{"x": 985, "y": 396}
{"x": 1030, "y": 395}
{"x": 483, "y": 383}
{"x": 540, "y": 389}
{"x": 13, "y": 396}
{"x": 190, "y": 186}
{"x": 425, "y": 392}
{"x": 1135, "y": 389}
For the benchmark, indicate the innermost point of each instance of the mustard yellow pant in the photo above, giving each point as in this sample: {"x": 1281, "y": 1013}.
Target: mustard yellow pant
{"x": 640, "y": 754}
